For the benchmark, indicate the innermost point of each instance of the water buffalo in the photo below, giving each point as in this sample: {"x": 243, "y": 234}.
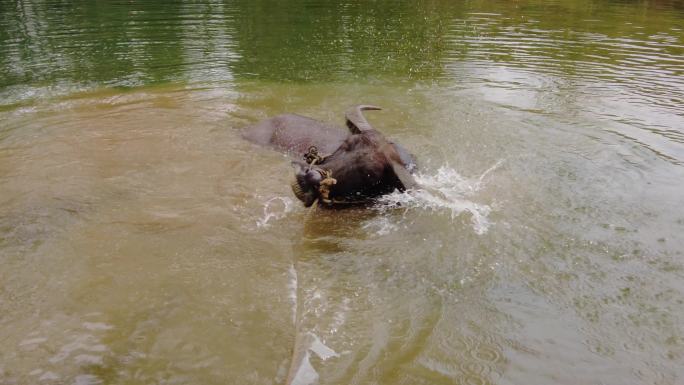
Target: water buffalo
{"x": 340, "y": 167}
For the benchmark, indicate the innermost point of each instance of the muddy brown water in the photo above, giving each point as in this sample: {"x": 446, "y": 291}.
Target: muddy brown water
{"x": 143, "y": 241}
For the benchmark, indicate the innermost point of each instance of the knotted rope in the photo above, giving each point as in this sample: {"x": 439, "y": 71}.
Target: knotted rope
{"x": 312, "y": 157}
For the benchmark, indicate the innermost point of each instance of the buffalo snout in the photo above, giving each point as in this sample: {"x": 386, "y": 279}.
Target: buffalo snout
{"x": 307, "y": 182}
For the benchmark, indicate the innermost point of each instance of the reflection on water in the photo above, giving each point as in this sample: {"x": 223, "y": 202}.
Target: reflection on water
{"x": 143, "y": 241}
{"x": 600, "y": 56}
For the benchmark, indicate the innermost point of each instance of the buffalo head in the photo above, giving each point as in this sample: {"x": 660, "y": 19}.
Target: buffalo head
{"x": 364, "y": 166}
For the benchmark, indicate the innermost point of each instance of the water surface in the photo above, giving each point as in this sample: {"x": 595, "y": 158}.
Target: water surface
{"x": 143, "y": 241}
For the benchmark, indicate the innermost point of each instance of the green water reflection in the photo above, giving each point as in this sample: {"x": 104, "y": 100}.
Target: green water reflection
{"x": 43, "y": 43}
{"x": 628, "y": 53}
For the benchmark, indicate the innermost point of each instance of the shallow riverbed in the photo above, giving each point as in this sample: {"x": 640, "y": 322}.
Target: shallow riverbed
{"x": 143, "y": 241}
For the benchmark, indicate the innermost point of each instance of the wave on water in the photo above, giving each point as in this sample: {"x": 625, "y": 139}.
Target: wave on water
{"x": 445, "y": 191}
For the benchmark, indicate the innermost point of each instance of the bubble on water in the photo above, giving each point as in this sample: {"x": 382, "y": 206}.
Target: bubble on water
{"x": 275, "y": 208}
{"x": 444, "y": 191}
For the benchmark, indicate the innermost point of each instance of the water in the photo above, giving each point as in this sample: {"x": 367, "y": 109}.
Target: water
{"x": 143, "y": 241}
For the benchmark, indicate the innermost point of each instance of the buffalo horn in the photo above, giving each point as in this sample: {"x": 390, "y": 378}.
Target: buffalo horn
{"x": 355, "y": 119}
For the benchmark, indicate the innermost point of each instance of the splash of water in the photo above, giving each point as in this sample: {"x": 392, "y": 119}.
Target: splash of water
{"x": 444, "y": 191}
{"x": 275, "y": 210}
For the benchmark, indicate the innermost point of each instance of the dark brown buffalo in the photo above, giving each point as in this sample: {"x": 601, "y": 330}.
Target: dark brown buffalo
{"x": 355, "y": 167}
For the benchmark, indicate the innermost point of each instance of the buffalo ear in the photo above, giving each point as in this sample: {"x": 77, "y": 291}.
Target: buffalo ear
{"x": 404, "y": 176}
